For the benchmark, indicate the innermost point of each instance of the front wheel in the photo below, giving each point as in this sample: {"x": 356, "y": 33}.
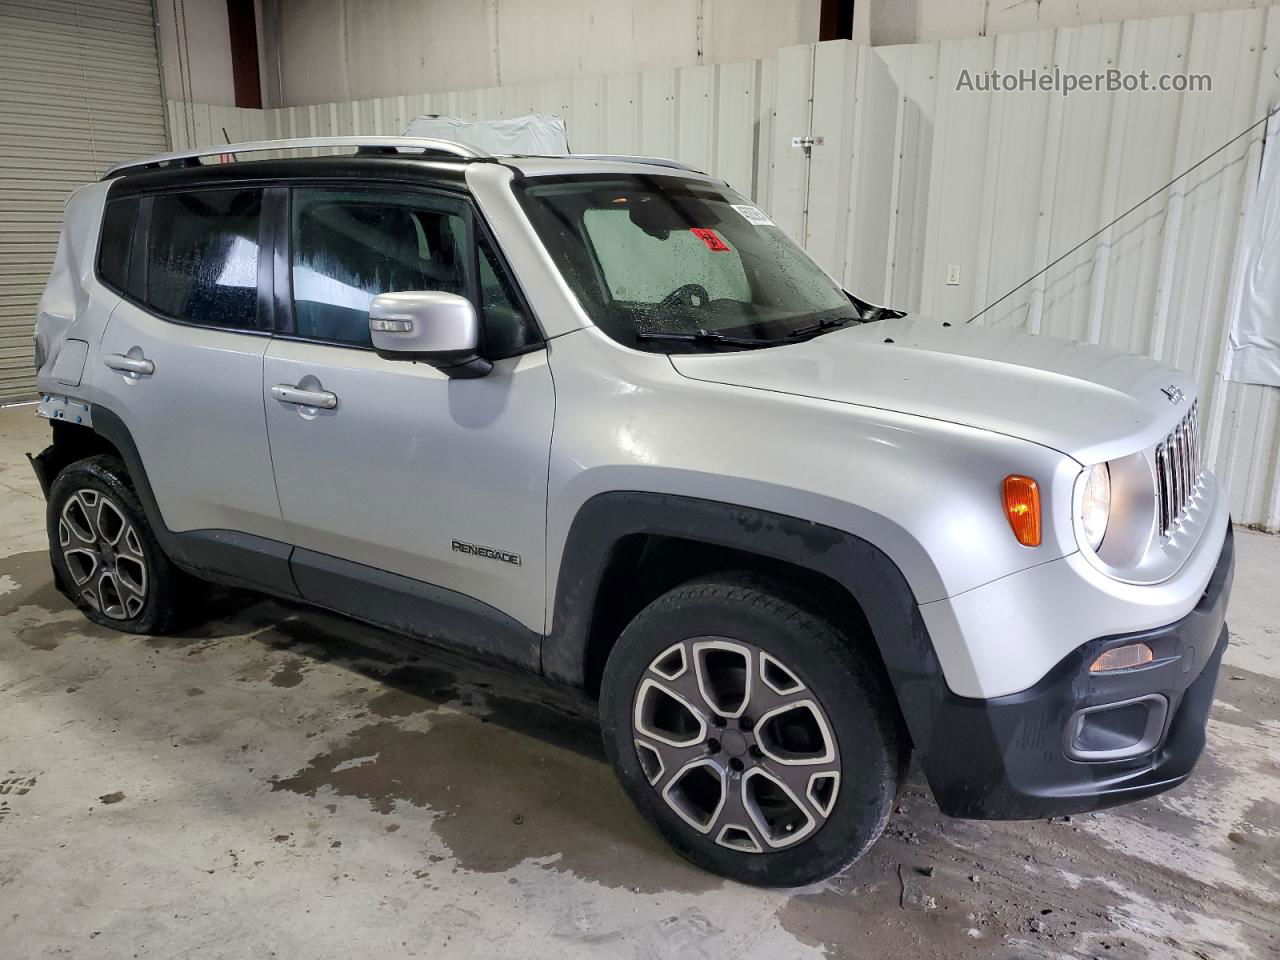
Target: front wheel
{"x": 750, "y": 732}
{"x": 106, "y": 558}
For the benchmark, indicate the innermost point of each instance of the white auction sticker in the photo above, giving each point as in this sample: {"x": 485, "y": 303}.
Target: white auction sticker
{"x": 752, "y": 214}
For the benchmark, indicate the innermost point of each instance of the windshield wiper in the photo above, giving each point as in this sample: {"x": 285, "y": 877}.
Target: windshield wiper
{"x": 820, "y": 327}
{"x": 703, "y": 336}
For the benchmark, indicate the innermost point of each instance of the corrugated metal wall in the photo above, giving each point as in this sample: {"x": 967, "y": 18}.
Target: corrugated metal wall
{"x": 79, "y": 91}
{"x": 914, "y": 176}
{"x": 1003, "y": 183}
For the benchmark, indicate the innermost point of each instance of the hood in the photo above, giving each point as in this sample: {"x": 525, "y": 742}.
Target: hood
{"x": 1085, "y": 401}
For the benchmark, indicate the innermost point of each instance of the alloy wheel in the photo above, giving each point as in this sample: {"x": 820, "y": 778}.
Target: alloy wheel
{"x": 103, "y": 554}
{"x": 736, "y": 744}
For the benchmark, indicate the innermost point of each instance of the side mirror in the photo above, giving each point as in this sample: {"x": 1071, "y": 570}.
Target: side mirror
{"x": 437, "y": 328}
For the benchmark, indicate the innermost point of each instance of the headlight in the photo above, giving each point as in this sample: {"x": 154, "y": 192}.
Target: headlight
{"x": 1095, "y": 508}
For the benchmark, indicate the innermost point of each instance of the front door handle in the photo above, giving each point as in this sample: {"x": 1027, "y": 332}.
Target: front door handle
{"x": 304, "y": 398}
{"x": 139, "y": 365}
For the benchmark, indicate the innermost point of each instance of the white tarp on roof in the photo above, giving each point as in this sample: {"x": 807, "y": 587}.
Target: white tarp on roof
{"x": 537, "y": 133}
{"x": 1253, "y": 351}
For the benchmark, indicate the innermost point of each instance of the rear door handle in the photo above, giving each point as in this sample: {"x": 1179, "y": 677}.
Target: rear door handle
{"x": 138, "y": 365}
{"x": 304, "y": 398}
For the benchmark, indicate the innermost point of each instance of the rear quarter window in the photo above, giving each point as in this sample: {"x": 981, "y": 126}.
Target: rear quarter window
{"x": 114, "y": 249}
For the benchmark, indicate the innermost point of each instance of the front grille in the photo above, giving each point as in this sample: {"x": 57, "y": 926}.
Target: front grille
{"x": 1178, "y": 470}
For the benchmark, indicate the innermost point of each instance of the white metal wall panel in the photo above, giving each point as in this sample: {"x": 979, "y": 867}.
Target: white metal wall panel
{"x": 79, "y": 91}
{"x": 205, "y": 124}
{"x": 787, "y": 199}
{"x": 832, "y": 98}
{"x": 1002, "y": 183}
{"x": 998, "y": 184}
{"x": 715, "y": 117}
{"x": 734, "y": 133}
{"x": 873, "y": 171}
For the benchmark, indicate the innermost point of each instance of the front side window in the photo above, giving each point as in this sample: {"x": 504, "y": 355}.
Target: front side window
{"x": 507, "y": 327}
{"x": 669, "y": 263}
{"x": 350, "y": 246}
{"x": 202, "y": 257}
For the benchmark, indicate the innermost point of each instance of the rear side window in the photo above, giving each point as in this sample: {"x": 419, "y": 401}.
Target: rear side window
{"x": 118, "y": 220}
{"x": 202, "y": 257}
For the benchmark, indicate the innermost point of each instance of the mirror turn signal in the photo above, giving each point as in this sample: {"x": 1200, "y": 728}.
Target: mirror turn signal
{"x": 1022, "y": 507}
{"x": 382, "y": 325}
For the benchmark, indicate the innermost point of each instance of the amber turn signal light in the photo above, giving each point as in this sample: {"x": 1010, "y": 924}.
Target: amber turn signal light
{"x": 1122, "y": 658}
{"x": 1022, "y": 507}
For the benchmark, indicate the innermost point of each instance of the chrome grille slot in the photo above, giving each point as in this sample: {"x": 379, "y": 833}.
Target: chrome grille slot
{"x": 1178, "y": 470}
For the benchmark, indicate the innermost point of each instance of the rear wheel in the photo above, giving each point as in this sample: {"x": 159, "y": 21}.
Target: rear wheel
{"x": 751, "y": 732}
{"x": 104, "y": 553}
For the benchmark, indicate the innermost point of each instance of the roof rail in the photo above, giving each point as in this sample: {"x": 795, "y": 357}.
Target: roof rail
{"x": 427, "y": 145}
{"x": 629, "y": 158}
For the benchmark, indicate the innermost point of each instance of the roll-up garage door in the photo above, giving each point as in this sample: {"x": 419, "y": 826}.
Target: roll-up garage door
{"x": 79, "y": 91}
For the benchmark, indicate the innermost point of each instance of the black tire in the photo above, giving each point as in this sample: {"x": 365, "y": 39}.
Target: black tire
{"x": 851, "y": 695}
{"x": 164, "y": 585}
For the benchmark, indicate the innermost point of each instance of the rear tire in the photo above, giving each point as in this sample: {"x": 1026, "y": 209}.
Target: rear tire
{"x": 105, "y": 557}
{"x": 751, "y": 732}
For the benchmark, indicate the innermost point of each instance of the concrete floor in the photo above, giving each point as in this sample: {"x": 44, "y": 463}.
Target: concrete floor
{"x": 283, "y": 783}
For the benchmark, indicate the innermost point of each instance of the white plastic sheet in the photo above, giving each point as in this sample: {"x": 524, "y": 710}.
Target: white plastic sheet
{"x": 1253, "y": 349}
{"x": 538, "y": 133}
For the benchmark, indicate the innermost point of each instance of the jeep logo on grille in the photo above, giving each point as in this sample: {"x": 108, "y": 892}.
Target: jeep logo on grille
{"x": 476, "y": 550}
{"x": 1174, "y": 394}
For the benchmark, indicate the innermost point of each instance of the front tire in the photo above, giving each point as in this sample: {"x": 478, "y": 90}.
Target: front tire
{"x": 105, "y": 557}
{"x": 751, "y": 733}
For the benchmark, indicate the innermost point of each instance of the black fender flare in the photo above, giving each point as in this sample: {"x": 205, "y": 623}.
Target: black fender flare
{"x": 864, "y": 570}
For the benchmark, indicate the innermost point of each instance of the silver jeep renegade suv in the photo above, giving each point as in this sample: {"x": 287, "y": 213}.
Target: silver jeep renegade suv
{"x": 599, "y": 417}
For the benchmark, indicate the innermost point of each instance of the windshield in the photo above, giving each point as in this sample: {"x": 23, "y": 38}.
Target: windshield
{"x": 670, "y": 264}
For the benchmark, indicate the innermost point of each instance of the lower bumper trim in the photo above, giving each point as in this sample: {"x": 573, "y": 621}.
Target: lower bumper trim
{"x": 1008, "y": 758}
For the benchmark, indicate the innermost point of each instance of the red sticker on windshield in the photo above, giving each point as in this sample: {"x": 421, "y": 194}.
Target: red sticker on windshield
{"x": 710, "y": 238}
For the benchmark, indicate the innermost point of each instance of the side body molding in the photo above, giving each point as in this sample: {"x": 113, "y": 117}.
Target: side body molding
{"x": 414, "y": 608}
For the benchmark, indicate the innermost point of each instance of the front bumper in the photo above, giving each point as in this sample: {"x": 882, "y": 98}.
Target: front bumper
{"x": 1007, "y": 758}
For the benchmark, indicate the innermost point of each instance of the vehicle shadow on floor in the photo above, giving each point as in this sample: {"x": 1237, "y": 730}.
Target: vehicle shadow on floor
{"x": 507, "y": 770}
{"x": 423, "y": 673}
{"x": 512, "y": 766}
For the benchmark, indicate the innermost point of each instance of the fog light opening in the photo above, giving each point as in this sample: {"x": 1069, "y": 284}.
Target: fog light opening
{"x": 1117, "y": 731}
{"x": 1122, "y": 658}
